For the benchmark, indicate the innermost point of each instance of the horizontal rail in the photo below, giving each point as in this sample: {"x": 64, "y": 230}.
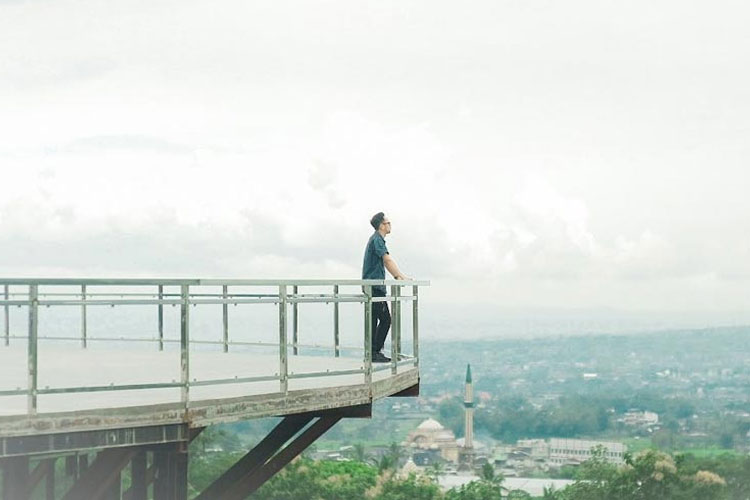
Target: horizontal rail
{"x": 174, "y": 385}
{"x": 343, "y": 347}
{"x": 15, "y": 392}
{"x": 205, "y": 282}
{"x": 105, "y": 388}
{"x": 235, "y": 380}
{"x": 230, "y": 300}
{"x": 327, "y": 373}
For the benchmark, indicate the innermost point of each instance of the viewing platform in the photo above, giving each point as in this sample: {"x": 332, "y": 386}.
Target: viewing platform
{"x": 135, "y": 368}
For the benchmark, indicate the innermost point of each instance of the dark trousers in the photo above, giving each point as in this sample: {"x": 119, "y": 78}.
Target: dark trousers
{"x": 381, "y": 322}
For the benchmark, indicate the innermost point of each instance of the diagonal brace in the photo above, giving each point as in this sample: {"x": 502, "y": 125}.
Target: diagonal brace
{"x": 101, "y": 474}
{"x": 254, "y": 479}
{"x": 256, "y": 457}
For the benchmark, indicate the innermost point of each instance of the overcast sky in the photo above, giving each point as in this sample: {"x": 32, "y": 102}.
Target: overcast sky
{"x": 531, "y": 154}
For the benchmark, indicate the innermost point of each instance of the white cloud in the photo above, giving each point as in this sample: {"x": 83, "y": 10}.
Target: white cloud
{"x": 530, "y": 154}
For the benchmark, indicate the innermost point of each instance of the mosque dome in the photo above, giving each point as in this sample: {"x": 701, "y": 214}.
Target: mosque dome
{"x": 430, "y": 425}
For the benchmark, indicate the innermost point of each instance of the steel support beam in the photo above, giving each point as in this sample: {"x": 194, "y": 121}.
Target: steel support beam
{"x": 263, "y": 461}
{"x": 161, "y": 478}
{"x": 42, "y": 470}
{"x": 15, "y": 477}
{"x": 148, "y": 480}
{"x": 256, "y": 457}
{"x": 139, "y": 488}
{"x": 101, "y": 480}
{"x": 251, "y": 482}
{"x": 171, "y": 473}
{"x": 50, "y": 484}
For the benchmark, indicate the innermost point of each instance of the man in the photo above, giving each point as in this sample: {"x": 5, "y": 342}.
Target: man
{"x": 376, "y": 261}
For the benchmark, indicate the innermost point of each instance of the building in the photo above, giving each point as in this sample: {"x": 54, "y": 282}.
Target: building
{"x": 431, "y": 440}
{"x": 641, "y": 418}
{"x": 431, "y": 435}
{"x": 468, "y": 410}
{"x": 576, "y": 451}
{"x": 466, "y": 447}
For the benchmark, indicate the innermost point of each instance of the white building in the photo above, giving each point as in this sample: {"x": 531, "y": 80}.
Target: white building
{"x": 641, "y": 418}
{"x": 577, "y": 451}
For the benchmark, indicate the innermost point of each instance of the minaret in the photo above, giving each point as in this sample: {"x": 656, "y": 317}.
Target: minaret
{"x": 469, "y": 411}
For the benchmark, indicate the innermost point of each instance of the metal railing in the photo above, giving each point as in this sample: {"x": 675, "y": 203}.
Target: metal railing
{"x": 37, "y": 293}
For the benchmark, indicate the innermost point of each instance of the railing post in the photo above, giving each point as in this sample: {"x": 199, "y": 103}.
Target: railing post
{"x": 295, "y": 323}
{"x": 7, "y": 316}
{"x": 368, "y": 335}
{"x": 336, "y": 341}
{"x": 225, "y": 308}
{"x": 83, "y": 318}
{"x": 283, "y": 367}
{"x": 415, "y": 324}
{"x": 395, "y": 328}
{"x": 185, "y": 344}
{"x": 33, "y": 370}
{"x": 161, "y": 318}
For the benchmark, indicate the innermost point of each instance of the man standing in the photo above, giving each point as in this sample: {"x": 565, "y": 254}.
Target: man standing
{"x": 376, "y": 261}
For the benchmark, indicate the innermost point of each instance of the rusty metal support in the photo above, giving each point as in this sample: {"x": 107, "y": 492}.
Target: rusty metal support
{"x": 102, "y": 479}
{"x": 256, "y": 457}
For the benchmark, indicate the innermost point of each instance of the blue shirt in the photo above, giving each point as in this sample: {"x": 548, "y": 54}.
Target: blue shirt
{"x": 373, "y": 267}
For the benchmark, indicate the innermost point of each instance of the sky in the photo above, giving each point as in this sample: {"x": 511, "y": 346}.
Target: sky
{"x": 587, "y": 155}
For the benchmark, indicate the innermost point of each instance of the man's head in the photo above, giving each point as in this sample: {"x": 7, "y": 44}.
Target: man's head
{"x": 381, "y": 223}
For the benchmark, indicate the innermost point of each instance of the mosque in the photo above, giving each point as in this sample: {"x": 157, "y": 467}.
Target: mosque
{"x": 431, "y": 442}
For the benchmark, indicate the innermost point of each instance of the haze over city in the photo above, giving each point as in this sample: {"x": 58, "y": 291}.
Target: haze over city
{"x": 580, "y": 160}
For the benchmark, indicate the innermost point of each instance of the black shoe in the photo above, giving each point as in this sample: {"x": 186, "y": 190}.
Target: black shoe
{"x": 379, "y": 357}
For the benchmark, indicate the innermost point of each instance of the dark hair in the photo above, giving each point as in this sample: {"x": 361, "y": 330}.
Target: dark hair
{"x": 377, "y": 219}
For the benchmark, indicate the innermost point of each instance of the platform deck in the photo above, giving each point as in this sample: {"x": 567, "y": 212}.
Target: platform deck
{"x": 65, "y": 367}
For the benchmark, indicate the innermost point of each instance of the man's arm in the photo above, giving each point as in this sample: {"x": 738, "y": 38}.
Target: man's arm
{"x": 390, "y": 264}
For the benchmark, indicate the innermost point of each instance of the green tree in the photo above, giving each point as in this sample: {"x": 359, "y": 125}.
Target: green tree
{"x": 360, "y": 452}
{"x": 321, "y": 480}
{"x": 488, "y": 475}
{"x": 434, "y": 471}
{"x": 651, "y": 475}
{"x": 410, "y": 488}
{"x": 476, "y": 490}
